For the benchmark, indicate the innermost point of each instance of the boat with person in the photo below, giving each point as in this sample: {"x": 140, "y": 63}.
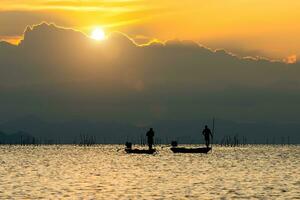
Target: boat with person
{"x": 207, "y": 133}
{"x": 150, "y": 141}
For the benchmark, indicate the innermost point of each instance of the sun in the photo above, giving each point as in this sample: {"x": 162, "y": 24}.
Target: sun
{"x": 98, "y": 34}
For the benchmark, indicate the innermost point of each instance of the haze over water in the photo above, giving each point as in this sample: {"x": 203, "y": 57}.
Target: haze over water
{"x": 106, "y": 172}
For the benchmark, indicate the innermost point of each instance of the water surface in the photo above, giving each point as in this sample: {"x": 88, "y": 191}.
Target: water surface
{"x": 106, "y": 172}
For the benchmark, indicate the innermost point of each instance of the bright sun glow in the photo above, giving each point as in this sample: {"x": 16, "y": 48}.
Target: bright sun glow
{"x": 98, "y": 34}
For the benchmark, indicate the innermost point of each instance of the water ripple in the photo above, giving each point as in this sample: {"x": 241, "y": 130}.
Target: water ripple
{"x": 105, "y": 172}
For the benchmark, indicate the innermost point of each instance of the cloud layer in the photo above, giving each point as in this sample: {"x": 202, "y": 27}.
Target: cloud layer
{"x": 61, "y": 73}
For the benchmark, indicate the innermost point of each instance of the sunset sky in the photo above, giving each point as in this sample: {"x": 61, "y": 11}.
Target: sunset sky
{"x": 236, "y": 60}
{"x": 246, "y": 27}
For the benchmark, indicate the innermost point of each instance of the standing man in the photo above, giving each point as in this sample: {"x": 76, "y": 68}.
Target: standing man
{"x": 150, "y": 135}
{"x": 207, "y": 134}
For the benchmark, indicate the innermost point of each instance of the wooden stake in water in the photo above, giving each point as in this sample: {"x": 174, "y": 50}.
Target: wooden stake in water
{"x": 213, "y": 133}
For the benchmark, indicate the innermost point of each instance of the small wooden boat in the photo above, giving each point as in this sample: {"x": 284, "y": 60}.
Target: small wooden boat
{"x": 140, "y": 151}
{"x": 190, "y": 150}
{"x": 128, "y": 149}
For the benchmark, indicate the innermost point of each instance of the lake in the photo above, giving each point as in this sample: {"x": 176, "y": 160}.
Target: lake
{"x": 106, "y": 172}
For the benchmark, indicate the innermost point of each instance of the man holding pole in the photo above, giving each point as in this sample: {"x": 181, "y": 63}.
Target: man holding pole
{"x": 150, "y": 135}
{"x": 207, "y": 134}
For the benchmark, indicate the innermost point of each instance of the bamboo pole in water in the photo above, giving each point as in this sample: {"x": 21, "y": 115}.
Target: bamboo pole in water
{"x": 213, "y": 133}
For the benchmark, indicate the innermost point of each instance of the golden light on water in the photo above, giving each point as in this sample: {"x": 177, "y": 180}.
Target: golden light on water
{"x": 98, "y": 34}
{"x": 83, "y": 172}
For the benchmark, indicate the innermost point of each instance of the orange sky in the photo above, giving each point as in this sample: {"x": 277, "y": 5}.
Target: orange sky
{"x": 247, "y": 27}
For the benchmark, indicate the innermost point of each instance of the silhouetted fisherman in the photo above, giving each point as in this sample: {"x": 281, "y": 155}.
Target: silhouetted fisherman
{"x": 150, "y": 135}
{"x": 207, "y": 133}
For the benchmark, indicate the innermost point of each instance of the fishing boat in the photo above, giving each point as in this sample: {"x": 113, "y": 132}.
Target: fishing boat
{"x": 190, "y": 150}
{"x": 176, "y": 149}
{"x": 140, "y": 151}
{"x": 128, "y": 149}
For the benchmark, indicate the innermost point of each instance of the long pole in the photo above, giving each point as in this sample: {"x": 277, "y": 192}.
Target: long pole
{"x": 213, "y": 133}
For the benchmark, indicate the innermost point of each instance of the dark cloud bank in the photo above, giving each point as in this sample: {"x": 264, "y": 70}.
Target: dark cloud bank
{"x": 59, "y": 83}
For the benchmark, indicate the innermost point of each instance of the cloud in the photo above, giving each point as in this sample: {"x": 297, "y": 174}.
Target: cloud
{"x": 291, "y": 59}
{"x": 61, "y": 73}
{"x": 11, "y": 39}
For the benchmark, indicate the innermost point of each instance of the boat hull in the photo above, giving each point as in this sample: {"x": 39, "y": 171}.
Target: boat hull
{"x": 140, "y": 151}
{"x": 190, "y": 150}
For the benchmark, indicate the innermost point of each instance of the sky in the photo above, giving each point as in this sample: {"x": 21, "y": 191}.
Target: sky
{"x": 246, "y": 27}
{"x": 62, "y": 81}
{"x": 58, "y": 70}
